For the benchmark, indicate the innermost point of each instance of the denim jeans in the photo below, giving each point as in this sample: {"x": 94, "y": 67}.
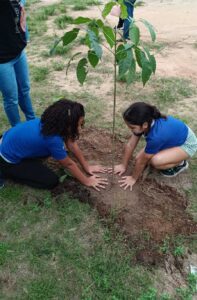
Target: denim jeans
{"x": 130, "y": 7}
{"x": 15, "y": 88}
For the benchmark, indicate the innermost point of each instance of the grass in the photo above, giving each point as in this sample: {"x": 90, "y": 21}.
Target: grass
{"x": 82, "y": 2}
{"x": 169, "y": 90}
{"x": 61, "y": 249}
{"x": 39, "y": 73}
{"x": 62, "y": 21}
{"x": 58, "y": 66}
{"x": 79, "y": 7}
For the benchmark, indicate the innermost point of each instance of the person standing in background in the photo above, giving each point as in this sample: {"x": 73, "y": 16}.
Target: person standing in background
{"x": 125, "y": 23}
{"x": 14, "y": 73}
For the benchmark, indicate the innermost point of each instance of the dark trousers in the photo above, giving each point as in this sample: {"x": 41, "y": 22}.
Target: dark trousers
{"x": 31, "y": 172}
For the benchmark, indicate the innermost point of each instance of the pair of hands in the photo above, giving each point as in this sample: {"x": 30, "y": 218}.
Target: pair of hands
{"x": 97, "y": 182}
{"x": 125, "y": 181}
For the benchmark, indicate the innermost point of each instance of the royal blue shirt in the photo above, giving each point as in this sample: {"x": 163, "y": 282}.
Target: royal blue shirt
{"x": 164, "y": 134}
{"x": 25, "y": 140}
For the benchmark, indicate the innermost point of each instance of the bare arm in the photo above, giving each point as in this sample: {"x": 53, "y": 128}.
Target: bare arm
{"x": 129, "y": 148}
{"x": 69, "y": 164}
{"x": 91, "y": 181}
{"x": 141, "y": 162}
{"x": 128, "y": 151}
{"x": 90, "y": 169}
{"x": 140, "y": 165}
{"x": 74, "y": 148}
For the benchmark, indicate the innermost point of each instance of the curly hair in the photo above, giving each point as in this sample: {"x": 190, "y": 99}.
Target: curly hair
{"x": 61, "y": 118}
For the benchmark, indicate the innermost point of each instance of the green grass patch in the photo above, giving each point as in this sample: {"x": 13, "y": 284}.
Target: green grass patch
{"x": 63, "y": 21}
{"x": 79, "y": 7}
{"x": 39, "y": 73}
{"x": 58, "y": 66}
{"x": 169, "y": 90}
{"x": 62, "y": 251}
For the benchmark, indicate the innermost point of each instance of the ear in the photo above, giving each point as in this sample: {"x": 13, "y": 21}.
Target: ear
{"x": 145, "y": 125}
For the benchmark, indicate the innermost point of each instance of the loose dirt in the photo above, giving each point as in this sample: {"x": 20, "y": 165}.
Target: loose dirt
{"x": 147, "y": 216}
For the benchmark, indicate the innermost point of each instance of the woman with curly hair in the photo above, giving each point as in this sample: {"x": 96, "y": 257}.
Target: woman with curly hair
{"x": 23, "y": 145}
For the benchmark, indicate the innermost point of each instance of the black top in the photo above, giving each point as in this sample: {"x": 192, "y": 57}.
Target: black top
{"x": 12, "y": 37}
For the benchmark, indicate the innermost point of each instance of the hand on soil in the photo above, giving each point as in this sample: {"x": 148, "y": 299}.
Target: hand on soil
{"x": 96, "y": 169}
{"x": 97, "y": 182}
{"x": 127, "y": 181}
{"x": 119, "y": 169}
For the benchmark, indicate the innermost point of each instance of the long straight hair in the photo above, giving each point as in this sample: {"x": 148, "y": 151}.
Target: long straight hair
{"x": 140, "y": 112}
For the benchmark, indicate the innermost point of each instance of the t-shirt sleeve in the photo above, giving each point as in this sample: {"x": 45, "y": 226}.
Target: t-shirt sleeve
{"x": 57, "y": 148}
{"x": 153, "y": 146}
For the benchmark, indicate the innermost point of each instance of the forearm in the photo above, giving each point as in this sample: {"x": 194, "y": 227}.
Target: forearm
{"x": 74, "y": 148}
{"x": 127, "y": 155}
{"x": 75, "y": 171}
{"x": 138, "y": 169}
{"x": 129, "y": 149}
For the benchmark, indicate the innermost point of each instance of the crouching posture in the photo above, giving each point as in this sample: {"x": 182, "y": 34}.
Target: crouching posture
{"x": 23, "y": 145}
{"x": 169, "y": 143}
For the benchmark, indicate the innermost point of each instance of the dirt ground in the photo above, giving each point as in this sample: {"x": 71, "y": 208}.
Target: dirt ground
{"x": 156, "y": 209}
{"x": 154, "y": 212}
{"x": 148, "y": 215}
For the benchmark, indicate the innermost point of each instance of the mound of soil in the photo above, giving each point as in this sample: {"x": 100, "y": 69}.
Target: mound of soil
{"x": 147, "y": 215}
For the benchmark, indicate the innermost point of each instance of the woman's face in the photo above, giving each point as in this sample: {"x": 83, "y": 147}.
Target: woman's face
{"x": 81, "y": 124}
{"x": 137, "y": 129}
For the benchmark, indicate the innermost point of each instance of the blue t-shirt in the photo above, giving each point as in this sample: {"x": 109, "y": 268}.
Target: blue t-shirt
{"x": 164, "y": 134}
{"x": 25, "y": 140}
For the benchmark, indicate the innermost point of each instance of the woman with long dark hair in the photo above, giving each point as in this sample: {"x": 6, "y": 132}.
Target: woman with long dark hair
{"x": 23, "y": 145}
{"x": 169, "y": 143}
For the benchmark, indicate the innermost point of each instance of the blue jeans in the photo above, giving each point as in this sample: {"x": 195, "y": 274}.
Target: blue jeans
{"x": 15, "y": 88}
{"x": 130, "y": 7}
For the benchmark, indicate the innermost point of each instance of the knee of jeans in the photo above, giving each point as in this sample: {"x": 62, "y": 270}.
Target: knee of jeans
{"x": 10, "y": 99}
{"x": 25, "y": 88}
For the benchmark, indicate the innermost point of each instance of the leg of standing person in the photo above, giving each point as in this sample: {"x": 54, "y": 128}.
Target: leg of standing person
{"x": 130, "y": 7}
{"x": 31, "y": 172}
{"x": 22, "y": 77}
{"x": 9, "y": 89}
{"x": 120, "y": 23}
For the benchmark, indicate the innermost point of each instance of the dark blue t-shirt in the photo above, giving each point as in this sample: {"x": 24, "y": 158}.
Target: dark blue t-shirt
{"x": 164, "y": 134}
{"x": 26, "y": 141}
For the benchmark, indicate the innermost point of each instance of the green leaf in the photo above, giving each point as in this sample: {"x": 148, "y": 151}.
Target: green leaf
{"x": 108, "y": 8}
{"x": 93, "y": 58}
{"x": 151, "y": 59}
{"x": 146, "y": 72}
{"x": 99, "y": 23}
{"x": 95, "y": 44}
{"x": 70, "y": 60}
{"x": 153, "y": 63}
{"x": 134, "y": 34}
{"x": 81, "y": 20}
{"x": 140, "y": 56}
{"x": 150, "y": 28}
{"x": 109, "y": 35}
{"x": 125, "y": 63}
{"x": 132, "y": 72}
{"x": 120, "y": 53}
{"x": 124, "y": 13}
{"x": 82, "y": 70}
{"x": 70, "y": 36}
